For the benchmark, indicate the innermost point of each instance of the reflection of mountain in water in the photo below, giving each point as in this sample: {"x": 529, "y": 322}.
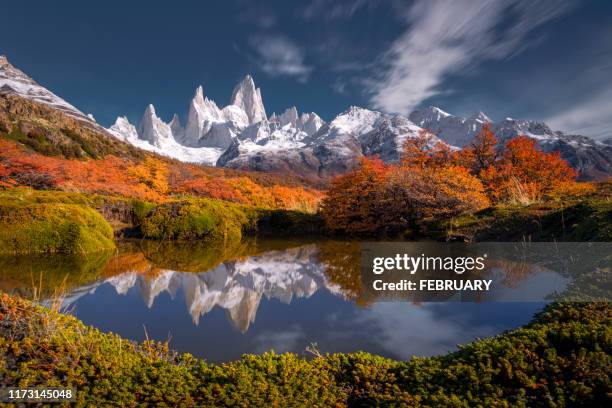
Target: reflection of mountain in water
{"x": 235, "y": 286}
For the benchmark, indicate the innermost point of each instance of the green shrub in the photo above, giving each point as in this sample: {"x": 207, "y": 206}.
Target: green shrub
{"x": 53, "y": 227}
{"x": 562, "y": 359}
{"x": 198, "y": 219}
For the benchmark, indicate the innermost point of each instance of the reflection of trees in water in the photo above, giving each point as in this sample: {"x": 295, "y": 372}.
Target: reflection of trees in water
{"x": 340, "y": 262}
{"x": 45, "y": 274}
{"x": 342, "y": 266}
{"x": 588, "y": 266}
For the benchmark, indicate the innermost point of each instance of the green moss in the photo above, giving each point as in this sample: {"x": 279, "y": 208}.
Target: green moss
{"x": 42, "y": 276}
{"x": 65, "y": 228}
{"x": 562, "y": 359}
{"x": 199, "y": 219}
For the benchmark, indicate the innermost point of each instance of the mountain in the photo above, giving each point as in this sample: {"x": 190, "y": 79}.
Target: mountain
{"x": 454, "y": 130}
{"x": 241, "y": 136}
{"x": 591, "y": 158}
{"x": 14, "y": 81}
{"x": 156, "y": 136}
{"x": 332, "y": 149}
{"x": 37, "y": 118}
{"x": 248, "y": 98}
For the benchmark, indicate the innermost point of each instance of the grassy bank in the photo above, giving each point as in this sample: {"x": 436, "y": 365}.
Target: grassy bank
{"x": 563, "y": 358}
{"x": 67, "y": 222}
{"x": 589, "y": 219}
{"x": 57, "y": 221}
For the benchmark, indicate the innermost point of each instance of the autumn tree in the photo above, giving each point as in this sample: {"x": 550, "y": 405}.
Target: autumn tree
{"x": 424, "y": 151}
{"x": 355, "y": 201}
{"x": 392, "y": 199}
{"x": 524, "y": 173}
{"x": 438, "y": 192}
{"x": 484, "y": 149}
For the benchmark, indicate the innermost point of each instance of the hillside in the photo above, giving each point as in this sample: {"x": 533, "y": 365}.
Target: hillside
{"x": 46, "y": 148}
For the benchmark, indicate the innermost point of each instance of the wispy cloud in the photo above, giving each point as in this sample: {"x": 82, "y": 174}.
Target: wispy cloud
{"x": 257, "y": 14}
{"x": 279, "y": 56}
{"x": 591, "y": 117}
{"x": 450, "y": 37}
{"x": 334, "y": 9}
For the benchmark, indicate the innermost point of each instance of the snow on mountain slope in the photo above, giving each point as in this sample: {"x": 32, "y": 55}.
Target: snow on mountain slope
{"x": 332, "y": 149}
{"x": 377, "y": 133}
{"x": 209, "y": 126}
{"x": 455, "y": 130}
{"x": 166, "y": 146}
{"x": 13, "y": 80}
{"x": 209, "y": 130}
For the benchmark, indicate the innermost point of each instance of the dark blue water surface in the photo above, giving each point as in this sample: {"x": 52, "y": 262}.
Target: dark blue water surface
{"x": 281, "y": 296}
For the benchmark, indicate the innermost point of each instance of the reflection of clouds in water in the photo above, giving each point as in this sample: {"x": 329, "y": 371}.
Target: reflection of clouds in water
{"x": 279, "y": 341}
{"x": 405, "y": 329}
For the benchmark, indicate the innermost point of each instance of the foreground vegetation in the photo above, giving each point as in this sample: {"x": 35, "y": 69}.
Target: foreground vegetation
{"x": 562, "y": 359}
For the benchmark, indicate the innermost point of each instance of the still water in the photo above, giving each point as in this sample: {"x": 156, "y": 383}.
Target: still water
{"x": 219, "y": 303}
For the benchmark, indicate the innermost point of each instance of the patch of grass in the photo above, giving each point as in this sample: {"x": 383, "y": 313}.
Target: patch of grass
{"x": 35, "y": 140}
{"x": 562, "y": 359}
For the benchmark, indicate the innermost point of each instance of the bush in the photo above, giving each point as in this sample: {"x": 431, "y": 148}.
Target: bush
{"x": 562, "y": 359}
{"x": 198, "y": 219}
{"x": 53, "y": 227}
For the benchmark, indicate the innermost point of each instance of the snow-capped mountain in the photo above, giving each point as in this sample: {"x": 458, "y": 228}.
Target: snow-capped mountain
{"x": 210, "y": 130}
{"x": 248, "y": 98}
{"x": 454, "y": 130}
{"x": 156, "y": 136}
{"x": 240, "y": 135}
{"x": 591, "y": 158}
{"x": 14, "y": 81}
{"x": 279, "y": 145}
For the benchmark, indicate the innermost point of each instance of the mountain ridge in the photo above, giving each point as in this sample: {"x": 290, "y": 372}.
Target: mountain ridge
{"x": 241, "y": 136}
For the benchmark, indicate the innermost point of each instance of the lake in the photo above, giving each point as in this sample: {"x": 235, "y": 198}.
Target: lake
{"x": 221, "y": 302}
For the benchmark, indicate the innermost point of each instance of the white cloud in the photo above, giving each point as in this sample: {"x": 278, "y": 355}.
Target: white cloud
{"x": 279, "y": 56}
{"x": 449, "y": 37}
{"x": 591, "y": 117}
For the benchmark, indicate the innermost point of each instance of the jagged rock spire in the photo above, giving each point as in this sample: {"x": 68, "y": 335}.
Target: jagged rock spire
{"x": 248, "y": 98}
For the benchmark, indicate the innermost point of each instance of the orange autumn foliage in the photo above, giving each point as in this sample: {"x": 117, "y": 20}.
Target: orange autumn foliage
{"x": 524, "y": 173}
{"x": 152, "y": 178}
{"x": 355, "y": 202}
{"x": 431, "y": 182}
{"x": 388, "y": 199}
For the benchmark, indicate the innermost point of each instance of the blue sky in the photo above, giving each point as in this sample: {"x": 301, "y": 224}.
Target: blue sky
{"x": 549, "y": 60}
